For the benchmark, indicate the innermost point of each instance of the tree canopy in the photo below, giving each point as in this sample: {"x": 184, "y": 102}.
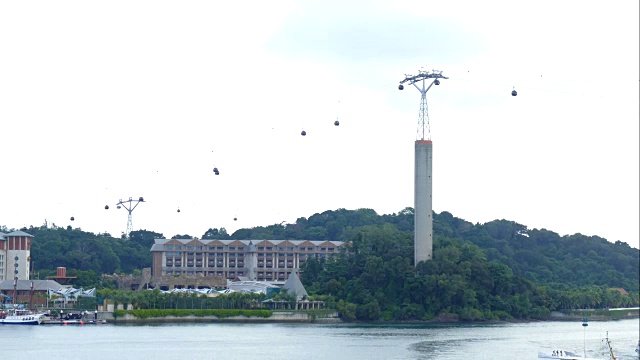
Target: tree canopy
{"x": 479, "y": 271}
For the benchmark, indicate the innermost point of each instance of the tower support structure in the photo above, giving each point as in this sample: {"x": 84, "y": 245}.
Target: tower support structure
{"x": 129, "y": 205}
{"x": 422, "y": 200}
{"x": 423, "y": 175}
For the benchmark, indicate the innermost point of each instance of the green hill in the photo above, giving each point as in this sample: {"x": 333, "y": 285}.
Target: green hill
{"x": 495, "y": 270}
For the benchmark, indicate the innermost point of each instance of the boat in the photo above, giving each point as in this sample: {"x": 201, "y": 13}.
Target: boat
{"x": 568, "y": 355}
{"x": 563, "y": 355}
{"x": 20, "y": 317}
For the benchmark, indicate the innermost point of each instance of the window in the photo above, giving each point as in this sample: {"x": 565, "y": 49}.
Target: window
{"x": 240, "y": 247}
{"x": 169, "y": 247}
{"x": 269, "y": 248}
{"x": 232, "y": 247}
{"x": 260, "y": 247}
{"x": 190, "y": 247}
{"x": 198, "y": 247}
{"x": 290, "y": 248}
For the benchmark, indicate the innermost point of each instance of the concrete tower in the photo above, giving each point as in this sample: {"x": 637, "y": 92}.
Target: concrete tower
{"x": 423, "y": 222}
{"x": 423, "y": 181}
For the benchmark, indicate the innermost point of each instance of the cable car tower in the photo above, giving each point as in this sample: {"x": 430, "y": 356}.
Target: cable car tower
{"x": 423, "y": 117}
{"x": 423, "y": 181}
{"x": 129, "y": 208}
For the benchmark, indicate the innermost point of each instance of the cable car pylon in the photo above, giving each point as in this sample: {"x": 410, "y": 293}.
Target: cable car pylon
{"x": 132, "y": 204}
{"x": 423, "y": 119}
{"x": 423, "y": 176}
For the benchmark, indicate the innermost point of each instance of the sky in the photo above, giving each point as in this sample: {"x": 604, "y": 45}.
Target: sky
{"x": 106, "y": 101}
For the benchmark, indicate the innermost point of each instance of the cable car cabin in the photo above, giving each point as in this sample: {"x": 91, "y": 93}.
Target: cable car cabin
{"x": 215, "y": 170}
{"x": 72, "y": 218}
{"x": 106, "y": 207}
{"x": 140, "y": 198}
{"x": 437, "y": 82}
{"x": 336, "y": 123}
{"x": 514, "y": 93}
{"x": 178, "y": 210}
{"x": 118, "y": 207}
{"x": 303, "y": 133}
{"x": 235, "y": 219}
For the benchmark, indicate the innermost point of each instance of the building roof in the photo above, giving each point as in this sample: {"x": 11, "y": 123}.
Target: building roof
{"x": 18, "y": 233}
{"x": 294, "y": 286}
{"x": 250, "y": 286}
{"x": 25, "y": 285}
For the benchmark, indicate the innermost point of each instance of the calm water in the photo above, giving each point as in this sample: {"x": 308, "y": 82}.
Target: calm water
{"x": 315, "y": 341}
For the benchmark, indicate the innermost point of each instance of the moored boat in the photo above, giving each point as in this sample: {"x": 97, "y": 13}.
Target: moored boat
{"x": 20, "y": 317}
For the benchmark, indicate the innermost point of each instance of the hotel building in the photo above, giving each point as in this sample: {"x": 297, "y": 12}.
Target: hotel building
{"x": 257, "y": 260}
{"x": 15, "y": 255}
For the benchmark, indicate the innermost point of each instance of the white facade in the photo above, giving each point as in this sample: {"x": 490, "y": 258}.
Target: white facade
{"x": 15, "y": 255}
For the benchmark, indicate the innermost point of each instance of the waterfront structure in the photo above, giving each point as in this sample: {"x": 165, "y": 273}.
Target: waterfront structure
{"x": 15, "y": 255}
{"x": 22, "y": 288}
{"x": 256, "y": 260}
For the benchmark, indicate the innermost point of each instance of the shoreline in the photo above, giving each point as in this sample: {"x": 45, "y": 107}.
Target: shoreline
{"x": 304, "y": 317}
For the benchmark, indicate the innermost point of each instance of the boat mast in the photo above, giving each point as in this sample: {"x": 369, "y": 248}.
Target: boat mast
{"x": 613, "y": 357}
{"x": 15, "y": 291}
{"x": 584, "y": 326}
{"x": 31, "y": 298}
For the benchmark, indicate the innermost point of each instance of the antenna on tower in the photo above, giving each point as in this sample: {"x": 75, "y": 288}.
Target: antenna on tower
{"x": 130, "y": 207}
{"x": 423, "y": 117}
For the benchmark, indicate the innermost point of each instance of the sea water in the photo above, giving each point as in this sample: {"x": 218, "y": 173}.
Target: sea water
{"x": 317, "y": 341}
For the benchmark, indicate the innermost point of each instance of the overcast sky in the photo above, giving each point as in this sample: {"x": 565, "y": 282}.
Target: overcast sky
{"x": 102, "y": 101}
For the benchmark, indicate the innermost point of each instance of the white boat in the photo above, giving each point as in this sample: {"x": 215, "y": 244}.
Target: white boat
{"x": 20, "y": 317}
{"x": 563, "y": 355}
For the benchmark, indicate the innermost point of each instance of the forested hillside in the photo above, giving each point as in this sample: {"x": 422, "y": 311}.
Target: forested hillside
{"x": 479, "y": 271}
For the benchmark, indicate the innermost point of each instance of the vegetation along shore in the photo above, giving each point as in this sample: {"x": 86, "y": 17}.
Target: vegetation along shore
{"x": 500, "y": 270}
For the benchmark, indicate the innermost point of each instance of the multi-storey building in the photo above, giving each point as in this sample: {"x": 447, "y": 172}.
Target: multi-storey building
{"x": 260, "y": 260}
{"x": 15, "y": 255}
